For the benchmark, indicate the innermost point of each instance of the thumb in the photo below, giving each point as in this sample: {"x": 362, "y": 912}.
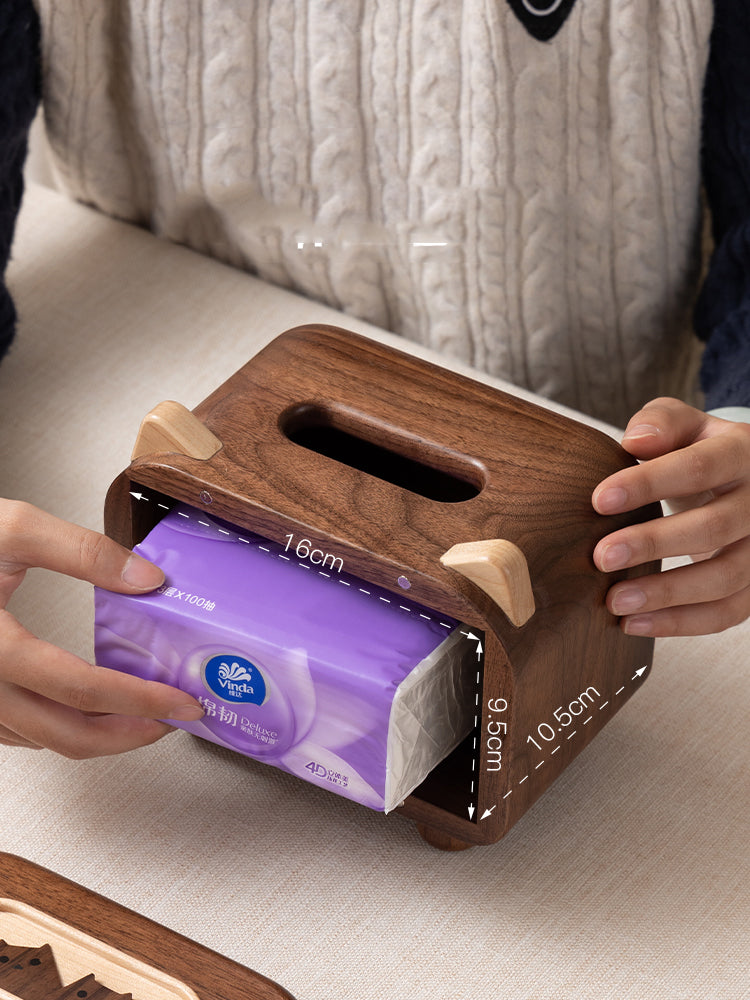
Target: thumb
{"x": 662, "y": 426}
{"x": 32, "y": 537}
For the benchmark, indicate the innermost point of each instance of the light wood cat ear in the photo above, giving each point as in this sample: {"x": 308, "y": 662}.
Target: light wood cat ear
{"x": 500, "y": 569}
{"x": 172, "y": 427}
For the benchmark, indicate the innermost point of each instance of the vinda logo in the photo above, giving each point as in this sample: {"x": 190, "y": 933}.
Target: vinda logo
{"x": 235, "y": 679}
{"x": 542, "y": 18}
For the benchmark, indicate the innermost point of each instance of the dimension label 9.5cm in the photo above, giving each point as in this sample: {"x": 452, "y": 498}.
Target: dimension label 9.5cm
{"x": 497, "y": 729}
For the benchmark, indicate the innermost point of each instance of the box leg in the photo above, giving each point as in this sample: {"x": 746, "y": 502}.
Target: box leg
{"x": 442, "y": 841}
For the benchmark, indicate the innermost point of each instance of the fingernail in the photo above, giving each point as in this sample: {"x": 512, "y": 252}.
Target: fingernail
{"x": 610, "y": 501}
{"x": 641, "y": 625}
{"x": 627, "y": 600}
{"x": 187, "y": 713}
{"x": 141, "y": 574}
{"x": 641, "y": 431}
{"x": 614, "y": 557}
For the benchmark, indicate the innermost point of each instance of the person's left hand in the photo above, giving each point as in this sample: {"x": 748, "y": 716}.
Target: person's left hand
{"x": 701, "y": 464}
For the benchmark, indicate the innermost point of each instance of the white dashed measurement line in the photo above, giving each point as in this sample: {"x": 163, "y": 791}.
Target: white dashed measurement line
{"x": 476, "y": 751}
{"x": 280, "y": 555}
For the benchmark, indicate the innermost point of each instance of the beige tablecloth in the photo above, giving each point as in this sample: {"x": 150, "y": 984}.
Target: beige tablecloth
{"x": 627, "y": 880}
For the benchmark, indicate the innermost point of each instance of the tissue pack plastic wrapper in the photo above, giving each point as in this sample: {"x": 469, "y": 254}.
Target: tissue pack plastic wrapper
{"x": 339, "y": 682}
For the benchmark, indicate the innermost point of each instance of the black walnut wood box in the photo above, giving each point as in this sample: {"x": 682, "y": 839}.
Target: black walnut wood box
{"x": 413, "y": 476}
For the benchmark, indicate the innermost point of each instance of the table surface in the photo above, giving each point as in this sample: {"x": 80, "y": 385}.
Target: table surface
{"x": 628, "y": 879}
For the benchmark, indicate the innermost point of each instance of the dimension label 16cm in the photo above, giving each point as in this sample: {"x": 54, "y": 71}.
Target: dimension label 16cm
{"x": 565, "y": 717}
{"x": 305, "y": 550}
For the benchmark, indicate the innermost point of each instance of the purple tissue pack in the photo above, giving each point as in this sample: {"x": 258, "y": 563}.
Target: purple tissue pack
{"x": 314, "y": 671}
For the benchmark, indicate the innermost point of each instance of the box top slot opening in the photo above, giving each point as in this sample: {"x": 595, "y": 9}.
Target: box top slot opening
{"x": 436, "y": 474}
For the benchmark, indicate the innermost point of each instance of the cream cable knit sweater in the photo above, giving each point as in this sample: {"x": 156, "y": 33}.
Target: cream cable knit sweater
{"x": 532, "y": 208}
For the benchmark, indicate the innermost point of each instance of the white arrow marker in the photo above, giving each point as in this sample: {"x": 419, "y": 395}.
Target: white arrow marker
{"x": 479, "y": 651}
{"x": 471, "y": 812}
{"x": 470, "y": 635}
{"x": 138, "y": 496}
{"x": 488, "y": 812}
{"x": 639, "y": 673}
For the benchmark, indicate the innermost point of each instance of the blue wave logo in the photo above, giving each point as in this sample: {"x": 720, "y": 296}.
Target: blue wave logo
{"x": 235, "y": 679}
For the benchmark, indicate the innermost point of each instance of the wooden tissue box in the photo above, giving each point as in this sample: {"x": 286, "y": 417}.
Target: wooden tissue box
{"x": 418, "y": 480}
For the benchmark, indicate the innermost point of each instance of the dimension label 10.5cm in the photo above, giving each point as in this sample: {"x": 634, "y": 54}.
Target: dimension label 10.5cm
{"x": 565, "y": 717}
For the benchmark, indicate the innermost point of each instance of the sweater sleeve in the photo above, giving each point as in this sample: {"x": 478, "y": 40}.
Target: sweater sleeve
{"x": 722, "y": 316}
{"x": 19, "y": 95}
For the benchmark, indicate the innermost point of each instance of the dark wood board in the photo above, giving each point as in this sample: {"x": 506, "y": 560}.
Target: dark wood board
{"x": 120, "y": 934}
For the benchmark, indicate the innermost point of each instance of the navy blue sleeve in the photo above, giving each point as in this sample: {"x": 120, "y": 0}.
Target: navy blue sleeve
{"x": 19, "y": 95}
{"x": 722, "y": 315}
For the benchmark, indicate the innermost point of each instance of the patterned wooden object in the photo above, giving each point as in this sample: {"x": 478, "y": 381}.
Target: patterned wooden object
{"x": 29, "y": 973}
{"x": 71, "y": 944}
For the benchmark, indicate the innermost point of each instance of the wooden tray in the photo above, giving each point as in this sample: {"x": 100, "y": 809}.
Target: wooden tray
{"x": 59, "y": 940}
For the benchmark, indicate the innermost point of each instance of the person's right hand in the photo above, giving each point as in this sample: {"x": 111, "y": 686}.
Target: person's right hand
{"x": 49, "y": 697}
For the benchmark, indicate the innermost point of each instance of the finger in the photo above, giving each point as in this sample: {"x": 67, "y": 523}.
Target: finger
{"x": 10, "y": 738}
{"x": 60, "y": 676}
{"x": 32, "y": 537}
{"x": 664, "y": 425}
{"x": 45, "y": 723}
{"x": 704, "y": 529}
{"x": 692, "y": 619}
{"x": 711, "y": 465}
{"x": 726, "y": 574}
